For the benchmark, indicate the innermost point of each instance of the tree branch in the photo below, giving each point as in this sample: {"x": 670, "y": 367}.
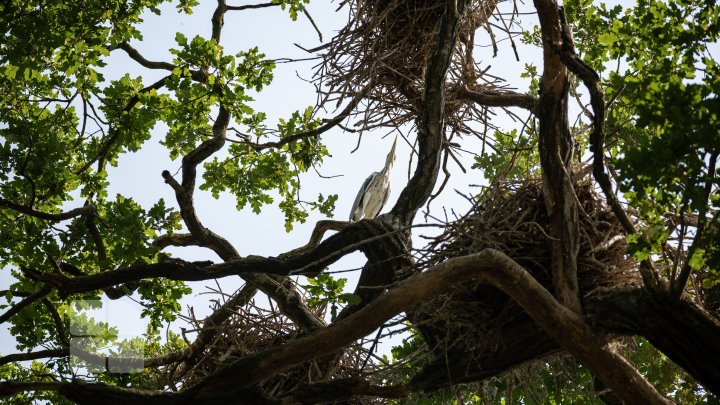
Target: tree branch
{"x": 39, "y": 294}
{"x": 492, "y": 98}
{"x": 252, "y": 6}
{"x": 431, "y": 126}
{"x": 75, "y": 212}
{"x": 100, "y": 157}
{"x": 41, "y": 354}
{"x": 566, "y": 51}
{"x": 137, "y": 57}
{"x": 331, "y": 123}
{"x": 556, "y": 145}
{"x": 678, "y": 284}
{"x": 488, "y": 265}
{"x": 176, "y": 239}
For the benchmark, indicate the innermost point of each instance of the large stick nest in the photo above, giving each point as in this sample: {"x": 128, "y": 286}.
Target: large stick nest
{"x": 382, "y": 54}
{"x": 254, "y": 329}
{"x": 512, "y": 218}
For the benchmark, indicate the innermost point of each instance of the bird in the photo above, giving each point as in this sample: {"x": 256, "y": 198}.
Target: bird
{"x": 374, "y": 192}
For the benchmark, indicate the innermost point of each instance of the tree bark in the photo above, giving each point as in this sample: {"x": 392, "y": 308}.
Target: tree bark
{"x": 556, "y": 152}
{"x": 685, "y": 333}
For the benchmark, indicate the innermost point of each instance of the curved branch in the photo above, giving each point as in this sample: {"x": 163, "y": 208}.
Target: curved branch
{"x": 75, "y": 212}
{"x": 137, "y": 57}
{"x": 591, "y": 80}
{"x": 329, "y": 124}
{"x": 488, "y": 265}
{"x": 184, "y": 192}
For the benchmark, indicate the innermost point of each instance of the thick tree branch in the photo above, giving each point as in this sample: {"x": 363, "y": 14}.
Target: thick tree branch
{"x": 218, "y": 19}
{"x": 556, "y": 146}
{"x": 431, "y": 125}
{"x": 493, "y": 98}
{"x": 685, "y": 333}
{"x": 565, "y": 48}
{"x": 184, "y": 192}
{"x": 343, "y": 389}
{"x": 176, "y": 239}
{"x": 489, "y": 265}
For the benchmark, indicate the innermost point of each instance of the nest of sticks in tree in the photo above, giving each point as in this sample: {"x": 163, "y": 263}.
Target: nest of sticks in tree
{"x": 512, "y": 218}
{"x": 254, "y": 329}
{"x": 381, "y": 57}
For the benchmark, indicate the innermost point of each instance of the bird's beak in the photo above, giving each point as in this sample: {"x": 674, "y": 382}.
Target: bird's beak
{"x": 391, "y": 154}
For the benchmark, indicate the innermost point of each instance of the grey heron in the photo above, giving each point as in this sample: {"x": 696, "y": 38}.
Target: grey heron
{"x": 374, "y": 192}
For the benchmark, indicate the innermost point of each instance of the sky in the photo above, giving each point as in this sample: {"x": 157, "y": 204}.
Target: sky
{"x": 138, "y": 175}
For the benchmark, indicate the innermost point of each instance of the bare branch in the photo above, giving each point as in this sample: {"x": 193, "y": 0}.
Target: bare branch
{"x": 137, "y": 57}
{"x": 252, "y": 6}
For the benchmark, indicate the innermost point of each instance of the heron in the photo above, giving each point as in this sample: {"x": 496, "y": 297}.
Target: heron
{"x": 374, "y": 191}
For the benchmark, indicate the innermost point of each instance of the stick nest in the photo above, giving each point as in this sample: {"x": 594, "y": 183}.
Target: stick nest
{"x": 254, "y": 329}
{"x": 382, "y": 54}
{"x": 512, "y": 218}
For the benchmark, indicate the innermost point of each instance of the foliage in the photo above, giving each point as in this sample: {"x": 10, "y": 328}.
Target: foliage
{"x": 326, "y": 290}
{"x": 64, "y": 126}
